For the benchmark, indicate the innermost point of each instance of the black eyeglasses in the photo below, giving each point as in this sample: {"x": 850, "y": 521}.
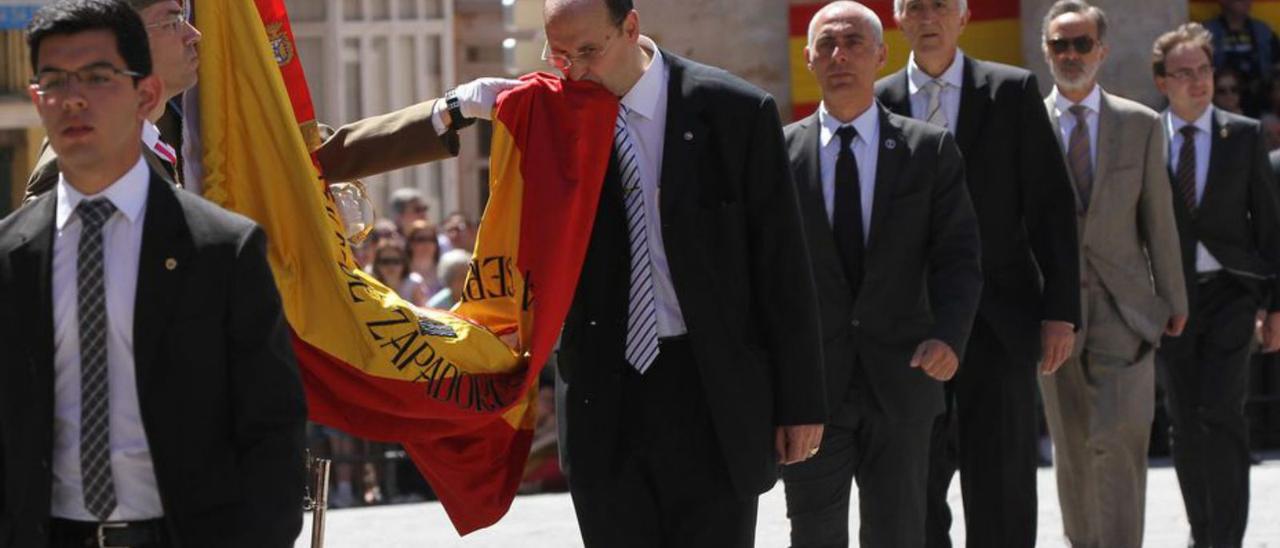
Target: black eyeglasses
{"x": 1082, "y": 44}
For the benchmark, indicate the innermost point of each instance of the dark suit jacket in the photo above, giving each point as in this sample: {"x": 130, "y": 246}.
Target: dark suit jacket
{"x": 737, "y": 257}
{"x": 922, "y": 268}
{"x": 362, "y": 148}
{"x": 220, "y": 394}
{"x": 1023, "y": 197}
{"x": 1238, "y": 218}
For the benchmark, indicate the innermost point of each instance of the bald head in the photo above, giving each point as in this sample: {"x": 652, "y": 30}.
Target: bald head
{"x": 846, "y": 9}
{"x": 616, "y": 10}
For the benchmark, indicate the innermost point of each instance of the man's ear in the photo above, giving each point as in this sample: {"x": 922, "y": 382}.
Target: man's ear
{"x": 149, "y": 92}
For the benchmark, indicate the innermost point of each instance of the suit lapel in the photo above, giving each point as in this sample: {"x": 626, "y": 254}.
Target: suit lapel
{"x": 683, "y": 138}
{"x": 809, "y": 175}
{"x": 1108, "y": 142}
{"x": 889, "y": 165}
{"x": 165, "y": 257}
{"x": 32, "y": 262}
{"x": 973, "y": 106}
{"x": 1219, "y": 137}
{"x": 897, "y": 94}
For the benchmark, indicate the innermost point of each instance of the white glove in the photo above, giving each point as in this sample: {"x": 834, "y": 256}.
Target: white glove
{"x": 476, "y": 98}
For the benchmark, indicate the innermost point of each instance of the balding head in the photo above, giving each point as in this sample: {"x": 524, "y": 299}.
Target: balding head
{"x": 844, "y": 8}
{"x": 616, "y": 10}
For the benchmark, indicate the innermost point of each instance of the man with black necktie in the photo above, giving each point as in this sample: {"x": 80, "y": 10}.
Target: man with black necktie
{"x": 148, "y": 391}
{"x": 895, "y": 250}
{"x": 691, "y": 351}
{"x": 1229, "y": 225}
{"x": 1031, "y": 294}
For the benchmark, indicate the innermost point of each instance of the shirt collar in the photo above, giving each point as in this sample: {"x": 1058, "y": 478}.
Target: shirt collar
{"x": 644, "y": 95}
{"x": 128, "y": 194}
{"x": 1203, "y": 123}
{"x": 151, "y": 138}
{"x": 953, "y": 76}
{"x": 867, "y": 124}
{"x": 1093, "y": 101}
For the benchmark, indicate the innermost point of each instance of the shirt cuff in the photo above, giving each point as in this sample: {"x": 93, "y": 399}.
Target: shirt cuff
{"x": 437, "y": 119}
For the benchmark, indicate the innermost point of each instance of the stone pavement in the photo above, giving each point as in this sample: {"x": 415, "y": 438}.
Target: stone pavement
{"x": 538, "y": 521}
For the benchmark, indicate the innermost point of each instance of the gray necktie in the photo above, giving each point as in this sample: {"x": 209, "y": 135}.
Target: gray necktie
{"x": 642, "y": 319}
{"x": 95, "y": 430}
{"x": 1079, "y": 156}
{"x": 936, "y": 115}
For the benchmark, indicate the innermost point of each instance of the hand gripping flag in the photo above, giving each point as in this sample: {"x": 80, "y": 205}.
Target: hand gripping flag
{"x": 440, "y": 383}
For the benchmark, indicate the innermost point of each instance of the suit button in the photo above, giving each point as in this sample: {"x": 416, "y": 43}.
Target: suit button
{"x": 586, "y": 401}
{"x": 857, "y": 323}
{"x": 592, "y": 323}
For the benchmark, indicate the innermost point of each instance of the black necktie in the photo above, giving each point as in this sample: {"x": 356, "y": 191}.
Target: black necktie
{"x": 95, "y": 423}
{"x": 847, "y": 215}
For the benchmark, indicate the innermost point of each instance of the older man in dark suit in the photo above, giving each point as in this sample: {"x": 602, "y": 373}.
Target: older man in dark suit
{"x": 1031, "y": 295}
{"x": 895, "y": 249}
{"x": 148, "y": 391}
{"x": 691, "y": 350}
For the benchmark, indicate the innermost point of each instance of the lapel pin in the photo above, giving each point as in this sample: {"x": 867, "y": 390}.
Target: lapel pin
{"x": 1223, "y": 132}
{"x": 688, "y": 135}
{"x": 170, "y": 263}
{"x": 890, "y": 144}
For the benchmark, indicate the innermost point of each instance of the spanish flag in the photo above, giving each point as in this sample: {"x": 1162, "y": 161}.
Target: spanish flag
{"x": 994, "y": 33}
{"x": 441, "y": 383}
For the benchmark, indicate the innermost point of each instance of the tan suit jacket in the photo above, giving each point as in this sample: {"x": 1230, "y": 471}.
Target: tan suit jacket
{"x": 1128, "y": 238}
{"x": 362, "y": 148}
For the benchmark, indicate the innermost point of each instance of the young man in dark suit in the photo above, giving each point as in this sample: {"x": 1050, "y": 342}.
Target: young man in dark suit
{"x": 1022, "y": 194}
{"x": 1229, "y": 226}
{"x": 148, "y": 391}
{"x": 895, "y": 250}
{"x": 692, "y": 349}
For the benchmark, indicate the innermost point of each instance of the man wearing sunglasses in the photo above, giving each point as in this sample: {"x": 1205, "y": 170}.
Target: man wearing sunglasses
{"x": 149, "y": 396}
{"x": 1022, "y": 196}
{"x": 1229, "y": 225}
{"x": 692, "y": 350}
{"x": 424, "y": 132}
{"x": 1100, "y": 403}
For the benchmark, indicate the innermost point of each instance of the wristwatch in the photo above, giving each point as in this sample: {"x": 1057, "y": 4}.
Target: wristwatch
{"x": 457, "y": 120}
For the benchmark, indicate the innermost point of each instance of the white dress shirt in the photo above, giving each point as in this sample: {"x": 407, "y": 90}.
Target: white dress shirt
{"x": 865, "y": 151}
{"x": 137, "y": 497}
{"x": 646, "y": 104}
{"x": 1205, "y": 262}
{"x": 953, "y": 77}
{"x": 1067, "y": 121}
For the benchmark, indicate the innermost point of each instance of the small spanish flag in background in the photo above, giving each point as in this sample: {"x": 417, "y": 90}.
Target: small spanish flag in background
{"x": 442, "y": 384}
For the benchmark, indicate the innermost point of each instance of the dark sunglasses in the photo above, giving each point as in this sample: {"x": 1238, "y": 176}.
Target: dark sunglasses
{"x": 1082, "y": 44}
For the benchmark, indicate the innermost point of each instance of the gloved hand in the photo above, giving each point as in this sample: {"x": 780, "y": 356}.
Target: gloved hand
{"x": 476, "y": 98}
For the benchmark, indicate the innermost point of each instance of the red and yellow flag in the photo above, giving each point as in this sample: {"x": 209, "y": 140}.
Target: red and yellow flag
{"x": 994, "y": 33}
{"x": 440, "y": 383}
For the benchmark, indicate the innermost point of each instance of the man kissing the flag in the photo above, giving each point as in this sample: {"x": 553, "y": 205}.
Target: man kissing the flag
{"x": 691, "y": 350}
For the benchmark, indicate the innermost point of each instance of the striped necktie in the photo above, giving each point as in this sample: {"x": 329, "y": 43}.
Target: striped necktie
{"x": 95, "y": 423}
{"x": 1079, "y": 155}
{"x": 642, "y": 317}
{"x": 937, "y": 116}
{"x": 1185, "y": 176}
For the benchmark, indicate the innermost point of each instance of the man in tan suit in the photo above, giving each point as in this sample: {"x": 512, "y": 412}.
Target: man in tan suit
{"x": 1101, "y": 402}
{"x": 421, "y": 133}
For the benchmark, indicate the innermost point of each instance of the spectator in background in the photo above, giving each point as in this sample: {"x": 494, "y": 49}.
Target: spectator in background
{"x": 424, "y": 255}
{"x": 363, "y": 251}
{"x": 452, "y": 272}
{"x": 1246, "y": 45}
{"x": 1227, "y": 85}
{"x": 391, "y": 267}
{"x": 408, "y": 205}
{"x": 1271, "y": 130}
{"x": 459, "y": 232}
